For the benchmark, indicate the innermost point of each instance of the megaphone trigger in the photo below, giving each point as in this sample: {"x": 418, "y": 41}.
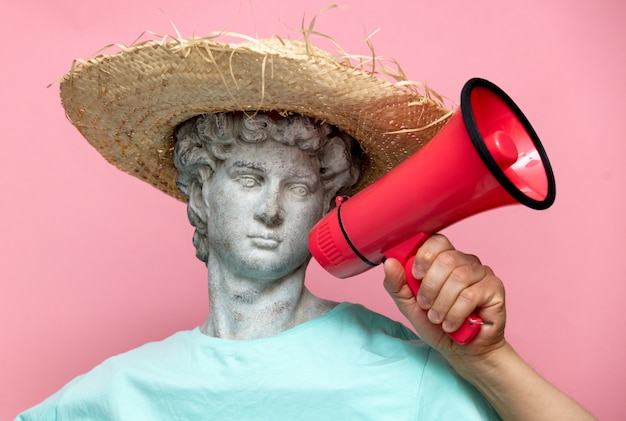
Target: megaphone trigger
{"x": 480, "y": 322}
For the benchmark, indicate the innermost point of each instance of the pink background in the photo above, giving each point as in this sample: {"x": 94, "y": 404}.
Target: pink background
{"x": 95, "y": 262}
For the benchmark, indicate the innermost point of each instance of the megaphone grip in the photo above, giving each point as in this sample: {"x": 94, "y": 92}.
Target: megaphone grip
{"x": 470, "y": 328}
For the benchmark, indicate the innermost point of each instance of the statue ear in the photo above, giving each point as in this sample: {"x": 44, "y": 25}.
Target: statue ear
{"x": 196, "y": 204}
{"x": 197, "y": 191}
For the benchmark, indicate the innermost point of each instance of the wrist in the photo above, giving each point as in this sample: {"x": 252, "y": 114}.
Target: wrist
{"x": 486, "y": 366}
{"x": 514, "y": 388}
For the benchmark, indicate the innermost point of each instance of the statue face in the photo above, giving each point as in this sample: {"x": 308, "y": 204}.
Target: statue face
{"x": 261, "y": 204}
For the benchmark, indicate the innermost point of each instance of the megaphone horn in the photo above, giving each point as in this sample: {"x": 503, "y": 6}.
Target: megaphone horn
{"x": 486, "y": 156}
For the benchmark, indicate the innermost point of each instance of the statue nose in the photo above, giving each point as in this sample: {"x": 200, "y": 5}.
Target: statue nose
{"x": 270, "y": 210}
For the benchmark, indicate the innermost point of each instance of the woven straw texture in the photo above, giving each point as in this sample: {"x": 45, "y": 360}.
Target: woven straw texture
{"x": 128, "y": 104}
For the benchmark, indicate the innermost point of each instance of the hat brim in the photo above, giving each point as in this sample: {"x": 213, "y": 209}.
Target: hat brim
{"x": 128, "y": 104}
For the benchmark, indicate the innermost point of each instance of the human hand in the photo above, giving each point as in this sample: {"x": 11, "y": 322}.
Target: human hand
{"x": 454, "y": 285}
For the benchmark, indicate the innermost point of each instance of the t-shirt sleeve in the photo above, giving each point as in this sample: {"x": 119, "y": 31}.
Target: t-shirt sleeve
{"x": 48, "y": 409}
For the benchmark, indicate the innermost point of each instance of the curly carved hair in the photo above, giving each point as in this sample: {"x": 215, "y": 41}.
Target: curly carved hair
{"x": 206, "y": 140}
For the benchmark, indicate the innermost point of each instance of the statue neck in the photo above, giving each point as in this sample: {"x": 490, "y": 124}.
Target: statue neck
{"x": 246, "y": 309}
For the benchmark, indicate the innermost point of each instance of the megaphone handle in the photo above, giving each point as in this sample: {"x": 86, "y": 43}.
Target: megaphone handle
{"x": 470, "y": 327}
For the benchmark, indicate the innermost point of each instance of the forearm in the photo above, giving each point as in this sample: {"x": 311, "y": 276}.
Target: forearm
{"x": 515, "y": 390}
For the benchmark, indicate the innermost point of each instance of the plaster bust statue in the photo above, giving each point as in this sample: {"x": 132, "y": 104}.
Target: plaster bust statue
{"x": 256, "y": 185}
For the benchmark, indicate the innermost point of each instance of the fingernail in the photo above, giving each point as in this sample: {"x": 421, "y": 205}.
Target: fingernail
{"x": 433, "y": 316}
{"x": 417, "y": 272}
{"x": 423, "y": 302}
{"x": 446, "y": 326}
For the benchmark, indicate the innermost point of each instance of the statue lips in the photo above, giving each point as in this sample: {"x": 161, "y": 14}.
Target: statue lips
{"x": 266, "y": 241}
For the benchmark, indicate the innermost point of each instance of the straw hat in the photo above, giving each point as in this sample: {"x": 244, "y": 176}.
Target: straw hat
{"x": 127, "y": 104}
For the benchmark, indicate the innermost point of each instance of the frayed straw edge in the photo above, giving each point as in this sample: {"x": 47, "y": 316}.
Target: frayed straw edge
{"x": 439, "y": 120}
{"x": 372, "y": 64}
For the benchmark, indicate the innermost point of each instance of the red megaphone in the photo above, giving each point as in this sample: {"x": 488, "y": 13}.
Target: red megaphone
{"x": 486, "y": 156}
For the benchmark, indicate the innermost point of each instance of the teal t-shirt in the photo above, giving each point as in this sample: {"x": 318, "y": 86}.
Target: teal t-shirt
{"x": 349, "y": 364}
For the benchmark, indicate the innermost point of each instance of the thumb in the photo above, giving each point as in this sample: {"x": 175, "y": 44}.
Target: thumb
{"x": 395, "y": 281}
{"x": 398, "y": 289}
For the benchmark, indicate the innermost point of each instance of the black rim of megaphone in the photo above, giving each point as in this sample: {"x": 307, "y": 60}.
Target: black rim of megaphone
{"x": 485, "y": 155}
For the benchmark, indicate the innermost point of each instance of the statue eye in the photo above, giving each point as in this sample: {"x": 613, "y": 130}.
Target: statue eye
{"x": 299, "y": 190}
{"x": 247, "y": 181}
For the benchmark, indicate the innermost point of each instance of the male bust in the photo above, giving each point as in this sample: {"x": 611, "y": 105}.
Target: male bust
{"x": 256, "y": 186}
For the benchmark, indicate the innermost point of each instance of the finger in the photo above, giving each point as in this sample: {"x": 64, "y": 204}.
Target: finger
{"x": 486, "y": 298}
{"x": 460, "y": 274}
{"x": 395, "y": 284}
{"x": 466, "y": 301}
{"x": 428, "y": 251}
{"x": 424, "y": 259}
{"x": 449, "y": 273}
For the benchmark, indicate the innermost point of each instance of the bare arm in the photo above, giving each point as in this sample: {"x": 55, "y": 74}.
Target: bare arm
{"x": 516, "y": 391}
{"x": 454, "y": 284}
